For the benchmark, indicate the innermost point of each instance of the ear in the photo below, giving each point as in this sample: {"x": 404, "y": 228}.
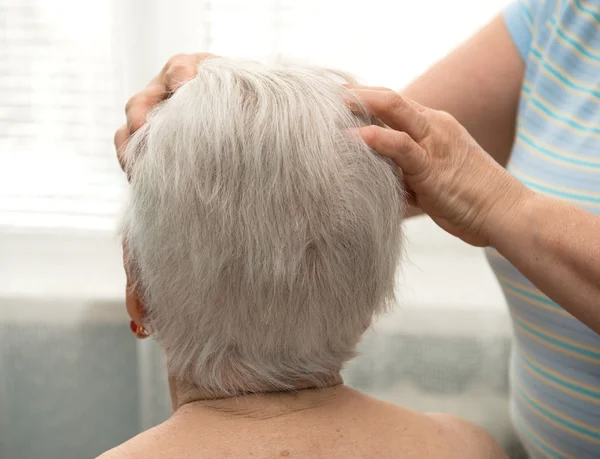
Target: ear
{"x": 133, "y": 301}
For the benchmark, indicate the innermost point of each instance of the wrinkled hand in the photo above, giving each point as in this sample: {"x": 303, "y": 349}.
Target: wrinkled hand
{"x": 447, "y": 174}
{"x": 177, "y": 71}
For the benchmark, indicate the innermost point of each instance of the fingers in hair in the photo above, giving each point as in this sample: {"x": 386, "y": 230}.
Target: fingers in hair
{"x": 398, "y": 146}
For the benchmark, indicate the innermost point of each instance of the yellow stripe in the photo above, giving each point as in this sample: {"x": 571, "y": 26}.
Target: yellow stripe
{"x": 570, "y": 47}
{"x": 553, "y": 422}
{"x": 559, "y": 69}
{"x": 527, "y": 6}
{"x": 542, "y": 156}
{"x": 554, "y": 347}
{"x": 558, "y": 387}
{"x": 558, "y": 150}
{"x": 494, "y": 253}
{"x": 519, "y": 285}
{"x": 589, "y": 194}
{"x": 563, "y": 86}
{"x": 590, "y": 5}
{"x": 558, "y": 123}
{"x": 543, "y": 306}
{"x": 560, "y": 375}
{"x": 583, "y": 15}
{"x": 569, "y": 115}
{"x": 533, "y": 302}
{"x": 544, "y": 442}
{"x": 564, "y": 416}
{"x": 513, "y": 170}
{"x": 558, "y": 337}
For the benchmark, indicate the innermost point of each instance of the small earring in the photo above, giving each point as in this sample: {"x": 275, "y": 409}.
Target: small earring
{"x": 139, "y": 330}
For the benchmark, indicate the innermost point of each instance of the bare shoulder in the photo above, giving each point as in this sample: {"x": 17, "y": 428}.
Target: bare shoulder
{"x": 128, "y": 450}
{"x": 427, "y": 435}
{"x": 472, "y": 440}
{"x": 148, "y": 444}
{"x": 115, "y": 453}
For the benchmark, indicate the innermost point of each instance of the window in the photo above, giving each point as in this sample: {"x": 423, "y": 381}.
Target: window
{"x": 58, "y": 106}
{"x": 68, "y": 67}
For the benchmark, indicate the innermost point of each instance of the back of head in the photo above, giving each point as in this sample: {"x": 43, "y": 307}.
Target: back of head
{"x": 264, "y": 236}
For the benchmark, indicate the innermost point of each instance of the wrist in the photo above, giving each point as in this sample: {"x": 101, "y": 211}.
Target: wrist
{"x": 512, "y": 214}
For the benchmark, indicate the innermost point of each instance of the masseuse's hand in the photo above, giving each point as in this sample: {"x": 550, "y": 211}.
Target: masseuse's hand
{"x": 447, "y": 174}
{"x": 177, "y": 71}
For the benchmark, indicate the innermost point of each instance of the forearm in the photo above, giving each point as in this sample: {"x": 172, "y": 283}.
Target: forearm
{"x": 479, "y": 84}
{"x": 557, "y": 247}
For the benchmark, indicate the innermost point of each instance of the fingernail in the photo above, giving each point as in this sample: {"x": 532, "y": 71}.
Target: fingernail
{"x": 353, "y": 132}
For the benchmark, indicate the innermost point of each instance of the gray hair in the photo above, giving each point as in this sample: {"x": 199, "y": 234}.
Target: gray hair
{"x": 264, "y": 235}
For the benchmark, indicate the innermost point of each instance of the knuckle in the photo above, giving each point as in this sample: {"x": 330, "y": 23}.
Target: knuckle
{"x": 369, "y": 134}
{"x": 135, "y": 124}
{"x": 175, "y": 59}
{"x": 135, "y": 101}
{"x": 394, "y": 101}
{"x": 177, "y": 68}
{"x": 446, "y": 117}
{"x": 179, "y": 73}
{"x": 120, "y": 134}
{"x": 403, "y": 140}
{"x": 199, "y": 57}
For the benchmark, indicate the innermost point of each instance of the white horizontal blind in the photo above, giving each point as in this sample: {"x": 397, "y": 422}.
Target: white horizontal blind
{"x": 58, "y": 109}
{"x": 65, "y": 66}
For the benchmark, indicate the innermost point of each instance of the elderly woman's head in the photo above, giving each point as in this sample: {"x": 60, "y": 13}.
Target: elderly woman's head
{"x": 263, "y": 236}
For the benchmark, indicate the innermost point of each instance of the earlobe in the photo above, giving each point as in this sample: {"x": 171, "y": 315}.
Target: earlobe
{"x": 135, "y": 307}
{"x": 133, "y": 301}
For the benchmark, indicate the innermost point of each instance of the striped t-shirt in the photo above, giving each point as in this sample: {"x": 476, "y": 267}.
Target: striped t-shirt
{"x": 556, "y": 359}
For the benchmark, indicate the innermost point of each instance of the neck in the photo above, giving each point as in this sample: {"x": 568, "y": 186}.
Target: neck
{"x": 184, "y": 394}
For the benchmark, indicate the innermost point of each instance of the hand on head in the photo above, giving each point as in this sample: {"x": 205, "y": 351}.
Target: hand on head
{"x": 448, "y": 175}
{"x": 177, "y": 71}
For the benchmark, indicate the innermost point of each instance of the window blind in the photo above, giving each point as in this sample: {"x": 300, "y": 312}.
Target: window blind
{"x": 67, "y": 67}
{"x": 58, "y": 108}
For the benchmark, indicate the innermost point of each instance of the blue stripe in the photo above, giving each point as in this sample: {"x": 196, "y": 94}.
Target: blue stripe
{"x": 562, "y": 78}
{"x": 563, "y": 194}
{"x": 532, "y": 296}
{"x": 551, "y": 114}
{"x": 559, "y": 343}
{"x": 545, "y": 448}
{"x": 527, "y": 12}
{"x": 586, "y": 10}
{"x": 572, "y": 42}
{"x": 550, "y": 153}
{"x": 557, "y": 141}
{"x": 568, "y": 424}
{"x": 561, "y": 382}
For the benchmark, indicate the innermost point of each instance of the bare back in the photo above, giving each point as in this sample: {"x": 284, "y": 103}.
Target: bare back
{"x": 334, "y": 423}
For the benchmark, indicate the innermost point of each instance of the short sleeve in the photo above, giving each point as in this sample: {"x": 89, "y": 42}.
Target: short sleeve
{"x": 519, "y": 17}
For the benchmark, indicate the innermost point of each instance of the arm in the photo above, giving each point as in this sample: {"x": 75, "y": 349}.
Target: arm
{"x": 554, "y": 244}
{"x": 557, "y": 247}
{"x": 479, "y": 84}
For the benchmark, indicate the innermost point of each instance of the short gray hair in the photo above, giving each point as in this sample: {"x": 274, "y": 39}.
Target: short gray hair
{"x": 265, "y": 236}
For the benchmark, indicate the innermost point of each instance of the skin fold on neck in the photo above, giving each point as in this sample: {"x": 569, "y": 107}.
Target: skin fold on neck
{"x": 186, "y": 399}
